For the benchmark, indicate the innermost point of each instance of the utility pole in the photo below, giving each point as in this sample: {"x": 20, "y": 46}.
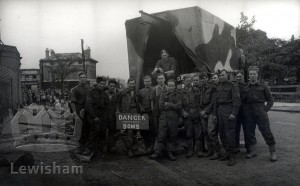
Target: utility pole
{"x": 83, "y": 56}
{"x": 1, "y": 43}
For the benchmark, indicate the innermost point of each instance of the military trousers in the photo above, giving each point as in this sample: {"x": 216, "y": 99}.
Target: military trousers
{"x": 112, "y": 131}
{"x": 227, "y": 128}
{"x": 150, "y": 135}
{"x": 167, "y": 132}
{"x": 255, "y": 114}
{"x": 210, "y": 133}
{"x": 241, "y": 123}
{"x": 85, "y": 131}
{"x": 194, "y": 132}
{"x": 97, "y": 136}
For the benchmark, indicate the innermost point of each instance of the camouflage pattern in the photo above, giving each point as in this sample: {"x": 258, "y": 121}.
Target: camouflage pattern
{"x": 209, "y": 41}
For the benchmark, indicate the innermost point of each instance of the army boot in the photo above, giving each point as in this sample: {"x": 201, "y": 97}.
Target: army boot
{"x": 215, "y": 156}
{"x": 189, "y": 154}
{"x": 272, "y": 149}
{"x": 199, "y": 148}
{"x": 251, "y": 152}
{"x": 224, "y": 157}
{"x": 171, "y": 156}
{"x": 231, "y": 160}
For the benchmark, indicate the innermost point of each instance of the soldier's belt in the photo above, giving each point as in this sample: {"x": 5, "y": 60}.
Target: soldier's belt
{"x": 225, "y": 103}
{"x": 259, "y": 103}
{"x": 203, "y": 106}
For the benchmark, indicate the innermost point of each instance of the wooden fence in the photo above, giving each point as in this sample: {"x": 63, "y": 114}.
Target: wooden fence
{"x": 286, "y": 93}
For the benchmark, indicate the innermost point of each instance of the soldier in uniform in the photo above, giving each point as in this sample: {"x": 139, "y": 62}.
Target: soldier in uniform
{"x": 166, "y": 65}
{"x": 155, "y": 94}
{"x": 170, "y": 106}
{"x": 191, "y": 115}
{"x": 145, "y": 101}
{"x": 214, "y": 79}
{"x": 210, "y": 128}
{"x": 96, "y": 105}
{"x": 255, "y": 96}
{"x": 227, "y": 102}
{"x": 196, "y": 80}
{"x": 78, "y": 98}
{"x": 128, "y": 102}
{"x": 111, "y": 109}
{"x": 240, "y": 118}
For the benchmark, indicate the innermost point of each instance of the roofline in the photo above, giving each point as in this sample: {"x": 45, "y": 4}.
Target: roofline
{"x": 24, "y": 69}
{"x": 177, "y": 10}
{"x": 49, "y": 60}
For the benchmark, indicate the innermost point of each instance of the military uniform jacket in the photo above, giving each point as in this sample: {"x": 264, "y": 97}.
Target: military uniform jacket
{"x": 78, "y": 96}
{"x": 206, "y": 95}
{"x": 190, "y": 101}
{"x": 126, "y": 102}
{"x": 173, "y": 100}
{"x": 227, "y": 93}
{"x": 167, "y": 64}
{"x": 112, "y": 106}
{"x": 96, "y": 104}
{"x": 258, "y": 93}
{"x": 145, "y": 98}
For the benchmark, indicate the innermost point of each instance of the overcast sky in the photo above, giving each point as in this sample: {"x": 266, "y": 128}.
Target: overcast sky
{"x": 34, "y": 25}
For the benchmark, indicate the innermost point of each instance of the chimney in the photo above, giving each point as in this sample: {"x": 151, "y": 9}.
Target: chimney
{"x": 52, "y": 53}
{"x": 47, "y": 53}
{"x": 87, "y": 53}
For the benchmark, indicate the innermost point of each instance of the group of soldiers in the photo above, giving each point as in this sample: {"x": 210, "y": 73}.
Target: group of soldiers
{"x": 208, "y": 106}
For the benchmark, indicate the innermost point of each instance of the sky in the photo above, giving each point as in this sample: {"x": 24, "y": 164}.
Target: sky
{"x": 34, "y": 25}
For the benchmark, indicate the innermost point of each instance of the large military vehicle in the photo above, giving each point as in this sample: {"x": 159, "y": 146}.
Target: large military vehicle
{"x": 198, "y": 40}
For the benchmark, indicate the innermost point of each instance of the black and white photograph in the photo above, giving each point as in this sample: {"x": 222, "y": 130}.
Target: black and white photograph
{"x": 150, "y": 92}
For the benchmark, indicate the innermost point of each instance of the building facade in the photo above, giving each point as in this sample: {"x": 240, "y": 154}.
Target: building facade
{"x": 52, "y": 60}
{"x": 30, "y": 79}
{"x": 10, "y": 93}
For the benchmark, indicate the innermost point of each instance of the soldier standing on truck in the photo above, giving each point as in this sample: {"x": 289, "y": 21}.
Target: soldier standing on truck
{"x": 166, "y": 65}
{"x": 227, "y": 102}
{"x": 170, "y": 106}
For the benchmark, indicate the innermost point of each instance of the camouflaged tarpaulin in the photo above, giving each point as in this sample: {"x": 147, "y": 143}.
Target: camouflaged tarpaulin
{"x": 209, "y": 41}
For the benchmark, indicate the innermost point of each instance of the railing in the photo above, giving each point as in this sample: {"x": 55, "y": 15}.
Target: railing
{"x": 286, "y": 93}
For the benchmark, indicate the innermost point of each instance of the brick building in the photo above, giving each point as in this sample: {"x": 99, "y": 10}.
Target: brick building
{"x": 49, "y": 80}
{"x": 10, "y": 92}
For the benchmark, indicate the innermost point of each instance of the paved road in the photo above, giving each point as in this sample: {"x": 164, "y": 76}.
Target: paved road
{"x": 119, "y": 170}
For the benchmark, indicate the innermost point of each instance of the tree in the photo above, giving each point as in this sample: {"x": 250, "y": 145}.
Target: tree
{"x": 276, "y": 58}
{"x": 60, "y": 70}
